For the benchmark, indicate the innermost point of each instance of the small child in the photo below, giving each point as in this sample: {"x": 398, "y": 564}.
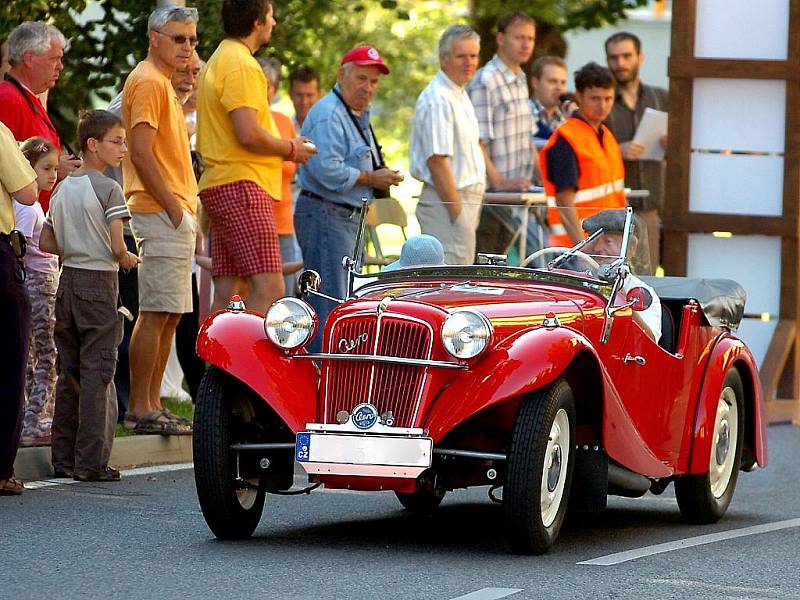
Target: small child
{"x": 42, "y": 282}
{"x": 84, "y": 226}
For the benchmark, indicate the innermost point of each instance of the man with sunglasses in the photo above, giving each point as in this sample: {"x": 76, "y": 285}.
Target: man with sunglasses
{"x": 161, "y": 192}
{"x": 17, "y": 180}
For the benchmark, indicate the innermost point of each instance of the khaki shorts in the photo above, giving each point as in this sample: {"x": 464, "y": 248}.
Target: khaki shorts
{"x": 165, "y": 275}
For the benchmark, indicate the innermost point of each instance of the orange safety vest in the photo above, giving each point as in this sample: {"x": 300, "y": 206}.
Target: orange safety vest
{"x": 601, "y": 178}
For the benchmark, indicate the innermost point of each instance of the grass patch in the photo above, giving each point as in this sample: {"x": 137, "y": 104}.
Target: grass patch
{"x": 183, "y": 409}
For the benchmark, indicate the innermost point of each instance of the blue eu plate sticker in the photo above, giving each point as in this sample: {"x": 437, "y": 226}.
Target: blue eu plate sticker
{"x": 302, "y": 447}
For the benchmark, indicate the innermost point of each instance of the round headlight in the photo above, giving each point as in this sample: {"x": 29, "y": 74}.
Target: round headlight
{"x": 466, "y": 333}
{"x": 290, "y": 323}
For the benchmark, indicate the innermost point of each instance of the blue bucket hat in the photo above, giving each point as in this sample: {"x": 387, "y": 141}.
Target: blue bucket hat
{"x": 419, "y": 251}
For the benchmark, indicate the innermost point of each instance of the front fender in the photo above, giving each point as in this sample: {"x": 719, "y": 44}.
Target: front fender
{"x": 523, "y": 363}
{"x": 530, "y": 361}
{"x": 236, "y": 343}
{"x": 728, "y": 352}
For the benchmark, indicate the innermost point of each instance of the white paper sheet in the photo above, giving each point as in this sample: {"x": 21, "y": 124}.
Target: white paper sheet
{"x": 649, "y": 133}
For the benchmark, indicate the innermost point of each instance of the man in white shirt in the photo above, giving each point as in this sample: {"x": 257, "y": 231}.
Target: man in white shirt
{"x": 445, "y": 149}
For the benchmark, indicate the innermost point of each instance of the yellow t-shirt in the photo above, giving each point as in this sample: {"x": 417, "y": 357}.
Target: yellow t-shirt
{"x": 148, "y": 97}
{"x": 233, "y": 79}
{"x": 15, "y": 173}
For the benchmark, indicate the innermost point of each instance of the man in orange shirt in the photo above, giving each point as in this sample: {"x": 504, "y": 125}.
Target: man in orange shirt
{"x": 161, "y": 191}
{"x": 284, "y": 210}
{"x": 244, "y": 156}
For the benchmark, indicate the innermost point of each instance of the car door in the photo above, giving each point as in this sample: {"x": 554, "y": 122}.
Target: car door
{"x": 651, "y": 385}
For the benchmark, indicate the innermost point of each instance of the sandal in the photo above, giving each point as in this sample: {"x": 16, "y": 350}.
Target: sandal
{"x": 148, "y": 424}
{"x": 157, "y": 422}
{"x": 176, "y": 418}
{"x": 11, "y": 487}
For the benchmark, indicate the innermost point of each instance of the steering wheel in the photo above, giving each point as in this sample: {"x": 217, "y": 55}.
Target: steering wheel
{"x": 559, "y": 250}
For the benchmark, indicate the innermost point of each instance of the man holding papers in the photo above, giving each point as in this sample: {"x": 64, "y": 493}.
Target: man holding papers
{"x": 624, "y": 57}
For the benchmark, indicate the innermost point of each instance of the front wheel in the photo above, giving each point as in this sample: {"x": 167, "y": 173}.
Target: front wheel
{"x": 540, "y": 466}
{"x": 231, "y": 503}
{"x": 705, "y": 498}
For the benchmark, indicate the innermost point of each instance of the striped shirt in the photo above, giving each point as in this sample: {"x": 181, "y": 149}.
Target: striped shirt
{"x": 81, "y": 211}
{"x": 503, "y": 108}
{"x": 445, "y": 125}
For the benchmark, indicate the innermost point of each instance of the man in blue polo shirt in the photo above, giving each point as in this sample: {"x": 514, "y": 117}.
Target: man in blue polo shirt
{"x": 348, "y": 168}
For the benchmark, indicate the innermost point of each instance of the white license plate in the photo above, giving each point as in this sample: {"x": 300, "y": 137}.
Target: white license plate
{"x": 363, "y": 449}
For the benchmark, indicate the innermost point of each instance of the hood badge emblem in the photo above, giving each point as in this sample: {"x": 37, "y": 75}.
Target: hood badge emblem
{"x": 346, "y": 345}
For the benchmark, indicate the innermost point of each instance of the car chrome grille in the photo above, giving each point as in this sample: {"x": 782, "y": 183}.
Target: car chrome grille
{"x": 389, "y": 387}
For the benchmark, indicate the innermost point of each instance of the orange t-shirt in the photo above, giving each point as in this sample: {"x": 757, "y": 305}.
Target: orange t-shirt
{"x": 284, "y": 216}
{"x": 148, "y": 97}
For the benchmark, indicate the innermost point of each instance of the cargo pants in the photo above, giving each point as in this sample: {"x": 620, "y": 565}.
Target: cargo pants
{"x": 88, "y": 331}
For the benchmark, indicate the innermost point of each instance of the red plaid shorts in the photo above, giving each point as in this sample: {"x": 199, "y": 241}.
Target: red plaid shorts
{"x": 244, "y": 236}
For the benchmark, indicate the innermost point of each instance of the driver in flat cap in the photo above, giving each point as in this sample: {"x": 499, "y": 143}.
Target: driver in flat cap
{"x": 608, "y": 246}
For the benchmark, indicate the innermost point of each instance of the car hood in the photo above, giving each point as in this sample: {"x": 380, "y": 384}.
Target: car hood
{"x": 505, "y": 305}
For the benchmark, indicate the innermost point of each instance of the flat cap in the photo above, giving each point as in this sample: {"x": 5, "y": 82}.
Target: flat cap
{"x": 610, "y": 221}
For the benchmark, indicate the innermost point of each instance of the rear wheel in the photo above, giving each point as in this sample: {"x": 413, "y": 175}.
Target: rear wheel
{"x": 422, "y": 501}
{"x": 540, "y": 466}
{"x": 231, "y": 503}
{"x": 705, "y": 498}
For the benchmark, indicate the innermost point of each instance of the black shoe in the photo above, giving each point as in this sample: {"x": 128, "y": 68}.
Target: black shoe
{"x": 59, "y": 474}
{"x": 110, "y": 474}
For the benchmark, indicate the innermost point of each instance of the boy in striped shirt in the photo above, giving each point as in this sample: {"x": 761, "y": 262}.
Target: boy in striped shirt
{"x": 84, "y": 227}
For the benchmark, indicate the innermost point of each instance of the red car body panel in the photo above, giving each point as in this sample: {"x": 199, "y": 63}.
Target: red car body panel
{"x": 657, "y": 414}
{"x": 236, "y": 343}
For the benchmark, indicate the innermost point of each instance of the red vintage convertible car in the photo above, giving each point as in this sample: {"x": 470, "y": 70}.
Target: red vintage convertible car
{"x": 538, "y": 381}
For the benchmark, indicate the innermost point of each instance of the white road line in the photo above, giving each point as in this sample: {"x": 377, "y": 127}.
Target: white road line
{"x": 628, "y": 555}
{"x": 489, "y": 594}
{"x": 45, "y": 483}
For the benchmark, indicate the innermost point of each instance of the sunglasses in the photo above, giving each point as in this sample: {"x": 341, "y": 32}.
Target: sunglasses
{"x": 180, "y": 40}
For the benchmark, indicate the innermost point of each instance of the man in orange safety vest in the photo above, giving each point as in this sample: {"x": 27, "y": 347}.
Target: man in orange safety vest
{"x": 581, "y": 163}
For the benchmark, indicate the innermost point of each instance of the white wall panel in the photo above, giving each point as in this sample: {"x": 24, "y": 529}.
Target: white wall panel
{"x": 739, "y": 114}
{"x": 736, "y": 184}
{"x": 751, "y": 29}
{"x": 757, "y": 335}
{"x": 754, "y": 261}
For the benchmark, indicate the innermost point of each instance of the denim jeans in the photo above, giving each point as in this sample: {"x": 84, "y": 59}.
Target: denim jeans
{"x": 326, "y": 232}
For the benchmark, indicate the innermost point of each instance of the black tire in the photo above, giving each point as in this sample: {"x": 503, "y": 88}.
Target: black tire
{"x": 231, "y": 510}
{"x": 421, "y": 502}
{"x": 697, "y": 497}
{"x": 532, "y": 524}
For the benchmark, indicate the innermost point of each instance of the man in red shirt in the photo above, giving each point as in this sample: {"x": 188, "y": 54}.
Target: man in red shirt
{"x": 35, "y": 50}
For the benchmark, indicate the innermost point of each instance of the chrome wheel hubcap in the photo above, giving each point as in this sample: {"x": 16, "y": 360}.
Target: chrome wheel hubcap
{"x": 723, "y": 450}
{"x": 554, "y": 472}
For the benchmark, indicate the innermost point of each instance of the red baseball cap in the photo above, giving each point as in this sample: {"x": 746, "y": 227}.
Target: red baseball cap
{"x": 365, "y": 56}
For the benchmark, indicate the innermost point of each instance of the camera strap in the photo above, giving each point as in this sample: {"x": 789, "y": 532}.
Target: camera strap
{"x": 376, "y": 163}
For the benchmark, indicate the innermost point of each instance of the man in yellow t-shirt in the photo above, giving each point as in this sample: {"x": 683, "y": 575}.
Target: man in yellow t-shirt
{"x": 243, "y": 154}
{"x": 161, "y": 191}
{"x": 17, "y": 179}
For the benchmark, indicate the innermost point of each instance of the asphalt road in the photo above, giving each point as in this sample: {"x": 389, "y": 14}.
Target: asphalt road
{"x": 145, "y": 538}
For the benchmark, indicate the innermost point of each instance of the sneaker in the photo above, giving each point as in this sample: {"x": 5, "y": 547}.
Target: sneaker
{"x": 109, "y": 474}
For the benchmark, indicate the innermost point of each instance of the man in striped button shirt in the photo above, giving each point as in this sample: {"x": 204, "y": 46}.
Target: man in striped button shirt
{"x": 445, "y": 150}
{"x": 499, "y": 92}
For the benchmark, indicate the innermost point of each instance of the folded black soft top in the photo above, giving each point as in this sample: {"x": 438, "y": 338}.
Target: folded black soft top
{"x": 722, "y": 300}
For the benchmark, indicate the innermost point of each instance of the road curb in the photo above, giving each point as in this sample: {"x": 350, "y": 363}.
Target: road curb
{"x": 138, "y": 450}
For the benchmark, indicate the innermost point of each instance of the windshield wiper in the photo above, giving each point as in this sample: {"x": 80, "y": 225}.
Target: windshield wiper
{"x": 571, "y": 252}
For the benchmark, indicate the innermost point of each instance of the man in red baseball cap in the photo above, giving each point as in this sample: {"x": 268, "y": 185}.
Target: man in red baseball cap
{"x": 348, "y": 168}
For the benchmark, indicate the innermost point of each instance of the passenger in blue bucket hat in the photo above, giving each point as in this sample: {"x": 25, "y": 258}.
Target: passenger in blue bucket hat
{"x": 418, "y": 251}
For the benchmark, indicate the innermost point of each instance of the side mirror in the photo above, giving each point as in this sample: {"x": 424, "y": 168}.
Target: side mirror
{"x": 639, "y": 299}
{"x": 309, "y": 282}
